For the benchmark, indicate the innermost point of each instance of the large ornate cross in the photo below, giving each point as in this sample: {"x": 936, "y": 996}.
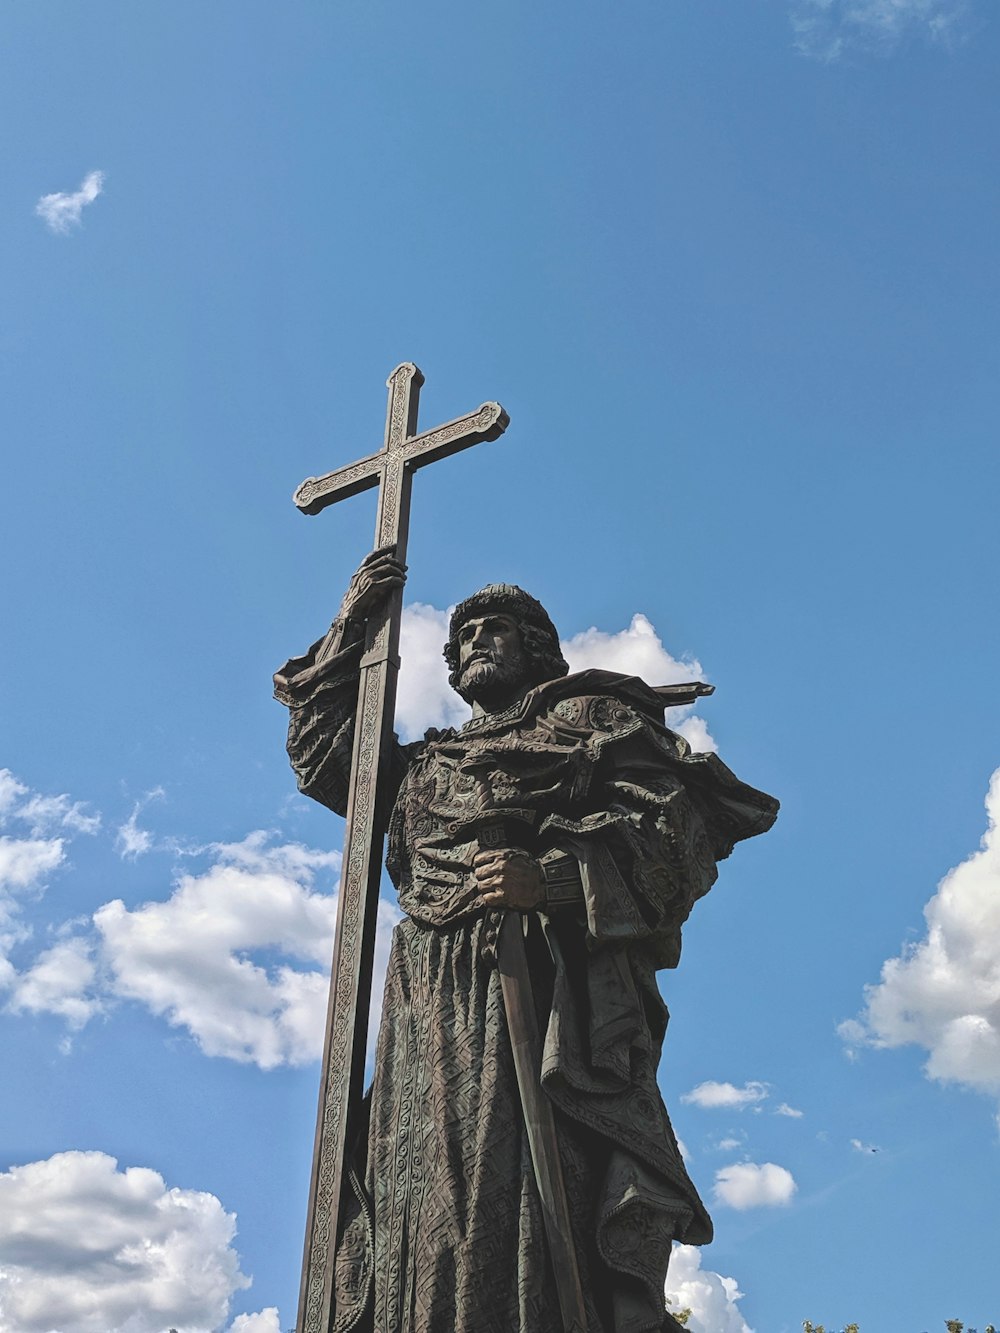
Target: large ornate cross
{"x": 341, "y": 1085}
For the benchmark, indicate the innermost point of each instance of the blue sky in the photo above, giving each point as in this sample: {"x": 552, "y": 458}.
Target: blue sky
{"x": 731, "y": 266}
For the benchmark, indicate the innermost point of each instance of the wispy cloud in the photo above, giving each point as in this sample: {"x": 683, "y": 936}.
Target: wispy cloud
{"x": 61, "y": 212}
{"x": 711, "y": 1095}
{"x": 43, "y": 814}
{"x": 828, "y": 29}
{"x": 25, "y": 865}
{"x": 728, "y": 1145}
{"x": 46, "y": 813}
{"x": 132, "y": 841}
{"x": 11, "y": 792}
{"x": 791, "y": 1111}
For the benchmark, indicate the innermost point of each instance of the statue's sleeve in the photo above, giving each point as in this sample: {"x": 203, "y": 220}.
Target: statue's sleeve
{"x": 320, "y": 690}
{"x": 655, "y": 821}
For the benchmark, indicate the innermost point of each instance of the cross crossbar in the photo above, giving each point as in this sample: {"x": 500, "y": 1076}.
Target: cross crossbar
{"x": 488, "y": 422}
{"x": 342, "y": 1078}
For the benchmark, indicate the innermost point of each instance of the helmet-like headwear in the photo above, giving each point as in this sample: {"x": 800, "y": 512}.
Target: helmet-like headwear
{"x": 538, "y": 634}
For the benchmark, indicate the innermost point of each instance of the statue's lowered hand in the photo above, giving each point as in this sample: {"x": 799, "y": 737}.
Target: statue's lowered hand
{"x": 378, "y": 575}
{"x": 509, "y": 877}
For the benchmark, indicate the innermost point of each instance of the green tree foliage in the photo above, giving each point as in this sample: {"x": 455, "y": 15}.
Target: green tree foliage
{"x": 681, "y": 1316}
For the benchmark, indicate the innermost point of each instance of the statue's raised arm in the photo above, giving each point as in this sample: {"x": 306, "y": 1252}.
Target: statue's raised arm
{"x": 320, "y": 688}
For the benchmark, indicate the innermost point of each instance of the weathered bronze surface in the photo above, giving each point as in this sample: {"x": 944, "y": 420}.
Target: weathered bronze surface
{"x": 513, "y": 1169}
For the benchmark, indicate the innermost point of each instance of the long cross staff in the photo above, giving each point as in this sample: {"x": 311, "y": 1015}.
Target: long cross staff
{"x": 341, "y": 1085}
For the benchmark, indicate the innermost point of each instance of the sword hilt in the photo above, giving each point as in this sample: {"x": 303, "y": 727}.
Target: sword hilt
{"x": 515, "y": 828}
{"x": 493, "y": 831}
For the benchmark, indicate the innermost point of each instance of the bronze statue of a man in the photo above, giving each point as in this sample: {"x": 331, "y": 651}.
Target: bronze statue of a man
{"x": 613, "y": 829}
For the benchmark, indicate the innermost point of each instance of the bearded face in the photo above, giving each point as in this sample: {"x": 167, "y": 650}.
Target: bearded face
{"x": 493, "y": 668}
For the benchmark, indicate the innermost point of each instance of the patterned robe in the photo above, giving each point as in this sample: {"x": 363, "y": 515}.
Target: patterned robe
{"x": 444, "y": 1233}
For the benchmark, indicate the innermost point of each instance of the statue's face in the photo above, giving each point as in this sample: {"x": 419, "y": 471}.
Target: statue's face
{"x": 492, "y": 666}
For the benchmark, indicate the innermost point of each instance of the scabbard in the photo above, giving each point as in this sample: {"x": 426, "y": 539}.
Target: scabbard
{"x": 539, "y": 1121}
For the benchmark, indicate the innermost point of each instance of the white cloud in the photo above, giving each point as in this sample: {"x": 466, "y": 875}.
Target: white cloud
{"x": 26, "y": 861}
{"x": 238, "y": 955}
{"x": 266, "y": 1321}
{"x": 694, "y": 729}
{"x": 791, "y": 1111}
{"x": 90, "y": 1248}
{"x": 728, "y": 1145}
{"x": 639, "y": 651}
{"x": 858, "y": 1146}
{"x": 61, "y": 212}
{"x": 754, "y": 1185}
{"x": 24, "y": 864}
{"x": 636, "y": 651}
{"x": 711, "y": 1095}
{"x": 944, "y": 993}
{"x": 710, "y": 1297}
{"x": 60, "y": 981}
{"x": 131, "y": 841}
{"x": 11, "y": 792}
{"x": 44, "y": 815}
{"x": 425, "y": 699}
{"x": 827, "y": 29}
{"x": 255, "y": 854}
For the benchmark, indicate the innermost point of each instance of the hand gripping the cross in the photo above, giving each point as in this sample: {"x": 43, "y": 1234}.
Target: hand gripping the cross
{"x": 372, "y": 582}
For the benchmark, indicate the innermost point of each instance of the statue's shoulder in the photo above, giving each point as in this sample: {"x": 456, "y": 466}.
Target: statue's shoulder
{"x": 649, "y": 700}
{"x": 601, "y": 701}
{"x": 611, "y": 713}
{"x": 433, "y": 738}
